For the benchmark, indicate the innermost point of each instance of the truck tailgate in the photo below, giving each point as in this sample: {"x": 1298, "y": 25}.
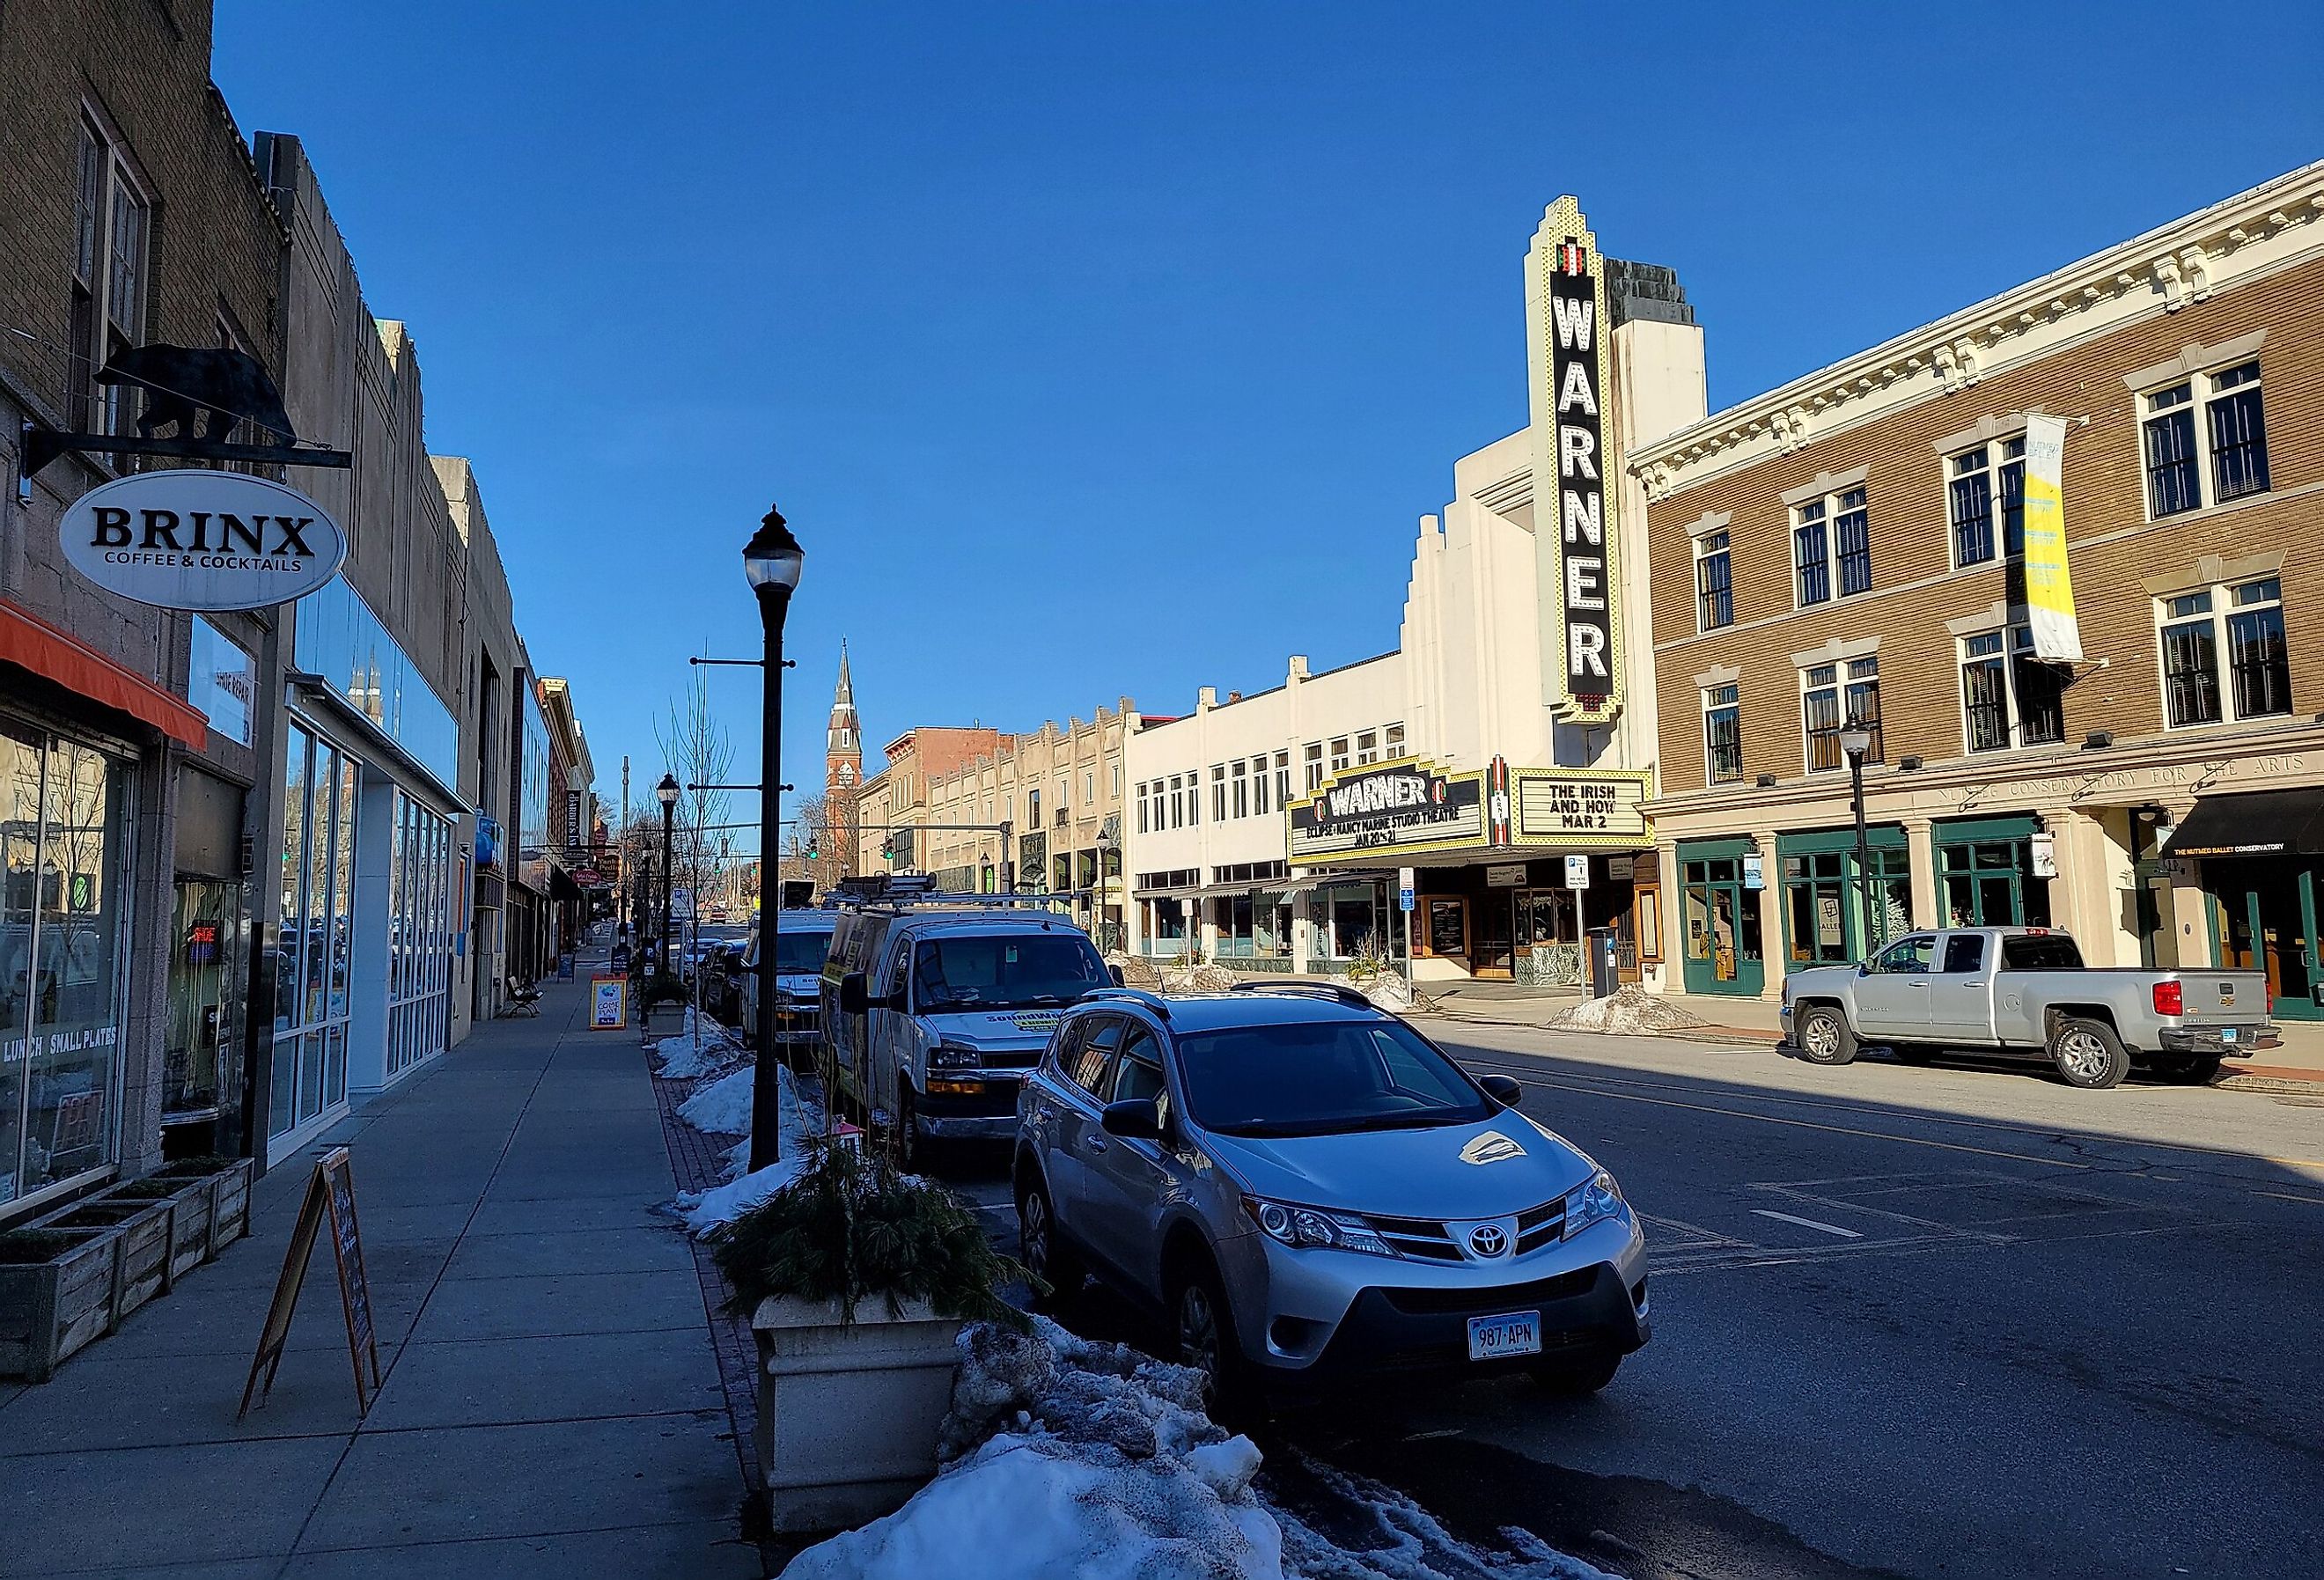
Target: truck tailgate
{"x": 2221, "y": 998}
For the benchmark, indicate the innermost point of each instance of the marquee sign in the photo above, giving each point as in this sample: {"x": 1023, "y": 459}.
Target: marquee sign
{"x": 1411, "y": 804}
{"x": 1555, "y": 807}
{"x": 197, "y": 540}
{"x": 1573, "y": 513}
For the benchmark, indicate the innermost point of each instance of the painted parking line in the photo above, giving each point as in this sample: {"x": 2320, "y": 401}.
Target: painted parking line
{"x": 1807, "y": 1222}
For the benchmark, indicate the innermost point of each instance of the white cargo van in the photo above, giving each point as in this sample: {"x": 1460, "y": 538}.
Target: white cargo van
{"x": 933, "y": 1008}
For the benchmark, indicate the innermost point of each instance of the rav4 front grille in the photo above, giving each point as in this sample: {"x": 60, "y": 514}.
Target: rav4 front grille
{"x": 1484, "y": 1302}
{"x": 1423, "y": 1238}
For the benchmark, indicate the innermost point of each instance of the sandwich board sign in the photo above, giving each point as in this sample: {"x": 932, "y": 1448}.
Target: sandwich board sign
{"x": 330, "y": 1197}
{"x": 201, "y": 539}
{"x": 608, "y": 1008}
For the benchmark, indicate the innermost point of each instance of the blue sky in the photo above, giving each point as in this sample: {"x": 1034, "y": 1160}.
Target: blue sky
{"x": 1101, "y": 349}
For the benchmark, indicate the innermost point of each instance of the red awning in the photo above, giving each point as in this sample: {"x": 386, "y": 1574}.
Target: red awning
{"x": 59, "y": 656}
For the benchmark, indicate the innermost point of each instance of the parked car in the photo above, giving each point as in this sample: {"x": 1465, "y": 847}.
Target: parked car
{"x": 1307, "y": 1189}
{"x": 802, "y": 943}
{"x": 933, "y": 1010}
{"x": 2024, "y": 991}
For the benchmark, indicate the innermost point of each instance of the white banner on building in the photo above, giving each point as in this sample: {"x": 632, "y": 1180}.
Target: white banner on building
{"x": 2049, "y": 588}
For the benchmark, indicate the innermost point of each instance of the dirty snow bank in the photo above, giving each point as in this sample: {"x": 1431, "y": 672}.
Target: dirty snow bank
{"x": 704, "y": 1047}
{"x": 1631, "y": 1011}
{"x": 1068, "y": 1457}
{"x": 1105, "y": 1467}
{"x": 728, "y": 1103}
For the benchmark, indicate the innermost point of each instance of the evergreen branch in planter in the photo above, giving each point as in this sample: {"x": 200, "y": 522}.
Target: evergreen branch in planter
{"x": 850, "y": 1227}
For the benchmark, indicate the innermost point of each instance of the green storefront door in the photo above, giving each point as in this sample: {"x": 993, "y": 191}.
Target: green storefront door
{"x": 1721, "y": 918}
{"x": 2264, "y": 918}
{"x": 1823, "y": 904}
{"x": 1985, "y": 874}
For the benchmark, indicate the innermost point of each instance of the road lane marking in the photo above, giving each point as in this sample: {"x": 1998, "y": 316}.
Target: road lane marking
{"x": 1807, "y": 1222}
{"x": 2313, "y": 1201}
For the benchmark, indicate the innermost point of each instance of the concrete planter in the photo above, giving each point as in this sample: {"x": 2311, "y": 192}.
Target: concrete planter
{"x": 56, "y": 1295}
{"x": 849, "y": 1412}
{"x": 143, "y": 1269}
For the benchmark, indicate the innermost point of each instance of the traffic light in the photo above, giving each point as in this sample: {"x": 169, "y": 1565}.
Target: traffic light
{"x": 812, "y": 840}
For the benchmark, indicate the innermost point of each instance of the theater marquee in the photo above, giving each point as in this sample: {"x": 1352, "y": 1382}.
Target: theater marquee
{"x": 1592, "y": 810}
{"x": 1574, "y": 498}
{"x": 1406, "y": 806}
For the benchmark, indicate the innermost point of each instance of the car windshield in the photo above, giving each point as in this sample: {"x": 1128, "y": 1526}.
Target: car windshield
{"x": 800, "y": 953}
{"x": 1324, "y": 1078}
{"x": 1013, "y": 970}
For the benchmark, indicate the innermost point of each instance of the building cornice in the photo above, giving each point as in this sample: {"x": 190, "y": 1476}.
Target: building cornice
{"x": 2247, "y": 235}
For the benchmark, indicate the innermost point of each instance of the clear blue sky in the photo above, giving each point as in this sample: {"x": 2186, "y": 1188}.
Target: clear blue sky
{"x": 1098, "y": 349}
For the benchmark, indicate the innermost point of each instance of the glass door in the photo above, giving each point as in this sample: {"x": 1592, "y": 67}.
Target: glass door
{"x": 1721, "y": 919}
{"x": 2266, "y": 917}
{"x": 202, "y": 1034}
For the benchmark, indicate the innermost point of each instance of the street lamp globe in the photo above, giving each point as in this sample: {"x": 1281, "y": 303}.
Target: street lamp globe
{"x": 1856, "y": 742}
{"x": 665, "y": 792}
{"x": 772, "y": 558}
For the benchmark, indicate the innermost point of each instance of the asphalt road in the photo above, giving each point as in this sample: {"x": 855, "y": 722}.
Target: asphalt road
{"x": 1950, "y": 1321}
{"x": 1954, "y": 1321}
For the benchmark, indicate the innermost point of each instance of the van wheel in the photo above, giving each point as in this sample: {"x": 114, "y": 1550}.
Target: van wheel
{"x": 1825, "y": 1035}
{"x": 2088, "y": 1053}
{"x": 914, "y": 1151}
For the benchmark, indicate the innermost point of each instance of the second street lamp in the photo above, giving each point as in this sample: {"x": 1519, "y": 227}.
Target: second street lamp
{"x": 667, "y": 793}
{"x": 772, "y": 561}
{"x": 1857, "y": 741}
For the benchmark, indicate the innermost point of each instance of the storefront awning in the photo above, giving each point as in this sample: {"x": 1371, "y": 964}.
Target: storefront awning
{"x": 32, "y": 643}
{"x": 2288, "y": 822}
{"x": 561, "y": 885}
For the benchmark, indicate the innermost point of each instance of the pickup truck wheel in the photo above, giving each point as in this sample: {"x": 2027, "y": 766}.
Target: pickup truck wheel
{"x": 1825, "y": 1035}
{"x": 2089, "y": 1054}
{"x": 2192, "y": 1069}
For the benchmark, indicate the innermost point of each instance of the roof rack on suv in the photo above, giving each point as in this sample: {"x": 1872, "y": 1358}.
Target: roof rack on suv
{"x": 1137, "y": 995}
{"x": 1333, "y": 990}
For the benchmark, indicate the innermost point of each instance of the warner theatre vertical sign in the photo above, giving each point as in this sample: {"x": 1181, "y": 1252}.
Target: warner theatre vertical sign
{"x": 1574, "y": 497}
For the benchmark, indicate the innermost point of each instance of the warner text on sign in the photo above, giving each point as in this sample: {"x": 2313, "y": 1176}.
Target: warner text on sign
{"x": 1581, "y": 659}
{"x": 1402, "y": 806}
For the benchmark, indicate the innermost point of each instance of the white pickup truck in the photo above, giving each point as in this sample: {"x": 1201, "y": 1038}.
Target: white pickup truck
{"x": 2026, "y": 991}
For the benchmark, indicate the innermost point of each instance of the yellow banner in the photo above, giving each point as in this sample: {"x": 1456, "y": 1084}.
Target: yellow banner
{"x": 2049, "y": 587}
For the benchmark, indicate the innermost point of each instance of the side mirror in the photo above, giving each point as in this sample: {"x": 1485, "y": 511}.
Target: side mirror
{"x": 1134, "y": 1119}
{"x": 853, "y": 998}
{"x": 1115, "y": 972}
{"x": 1864, "y": 968}
{"x": 1502, "y": 1089}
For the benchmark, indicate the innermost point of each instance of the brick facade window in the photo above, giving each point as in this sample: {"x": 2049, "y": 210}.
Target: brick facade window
{"x": 1714, "y": 582}
{"x": 109, "y": 262}
{"x": 2246, "y": 623}
{"x": 2009, "y": 696}
{"x": 1831, "y": 534}
{"x": 1835, "y": 698}
{"x": 1979, "y": 478}
{"x": 2228, "y": 446}
{"x": 1723, "y": 733}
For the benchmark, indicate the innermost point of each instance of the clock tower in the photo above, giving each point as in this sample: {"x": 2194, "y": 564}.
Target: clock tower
{"x": 843, "y": 770}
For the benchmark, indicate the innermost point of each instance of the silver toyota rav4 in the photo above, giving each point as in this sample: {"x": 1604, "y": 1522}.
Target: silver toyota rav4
{"x": 1308, "y": 1189}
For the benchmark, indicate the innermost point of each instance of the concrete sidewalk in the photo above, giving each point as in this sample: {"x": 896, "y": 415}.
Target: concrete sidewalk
{"x": 552, "y": 1406}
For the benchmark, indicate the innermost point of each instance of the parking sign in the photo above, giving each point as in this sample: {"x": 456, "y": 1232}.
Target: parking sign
{"x": 1577, "y": 871}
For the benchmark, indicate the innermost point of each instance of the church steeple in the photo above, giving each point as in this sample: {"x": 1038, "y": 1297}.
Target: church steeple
{"x": 843, "y": 768}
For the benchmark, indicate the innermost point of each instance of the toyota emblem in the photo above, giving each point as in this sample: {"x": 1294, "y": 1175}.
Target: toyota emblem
{"x": 1487, "y": 1240}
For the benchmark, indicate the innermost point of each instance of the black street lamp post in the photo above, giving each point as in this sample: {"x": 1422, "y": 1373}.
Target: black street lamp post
{"x": 667, "y": 793}
{"x": 772, "y": 561}
{"x": 1857, "y": 741}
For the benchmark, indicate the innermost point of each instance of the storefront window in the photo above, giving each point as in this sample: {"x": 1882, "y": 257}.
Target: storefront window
{"x": 1822, "y": 900}
{"x": 66, "y": 835}
{"x": 1989, "y": 882}
{"x": 222, "y": 680}
{"x": 313, "y": 961}
{"x": 421, "y": 936}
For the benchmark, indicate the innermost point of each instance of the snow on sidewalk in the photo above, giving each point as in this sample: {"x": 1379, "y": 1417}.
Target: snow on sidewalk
{"x": 1068, "y": 1457}
{"x": 722, "y": 1108}
{"x": 703, "y": 1047}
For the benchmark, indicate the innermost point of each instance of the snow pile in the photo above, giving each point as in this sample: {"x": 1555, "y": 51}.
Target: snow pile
{"x": 1067, "y": 1458}
{"x": 1631, "y": 1011}
{"x": 728, "y": 1101}
{"x": 722, "y": 1106}
{"x": 704, "y": 1048}
{"x": 1106, "y": 1468}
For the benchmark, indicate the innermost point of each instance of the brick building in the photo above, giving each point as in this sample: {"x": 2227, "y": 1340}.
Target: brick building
{"x": 1849, "y": 549}
{"x": 133, "y": 766}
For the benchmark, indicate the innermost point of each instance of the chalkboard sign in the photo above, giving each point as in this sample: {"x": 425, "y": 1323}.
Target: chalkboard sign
{"x": 330, "y": 1197}
{"x": 1448, "y": 928}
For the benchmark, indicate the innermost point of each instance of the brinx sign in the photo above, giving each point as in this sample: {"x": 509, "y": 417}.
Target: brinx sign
{"x": 198, "y": 540}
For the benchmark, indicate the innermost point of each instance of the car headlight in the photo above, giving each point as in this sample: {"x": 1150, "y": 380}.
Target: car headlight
{"x": 953, "y": 1056}
{"x": 1308, "y": 1226}
{"x": 1593, "y": 1201}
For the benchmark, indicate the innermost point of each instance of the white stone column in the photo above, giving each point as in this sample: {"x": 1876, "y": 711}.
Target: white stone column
{"x": 1771, "y": 960}
{"x": 1920, "y": 855}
